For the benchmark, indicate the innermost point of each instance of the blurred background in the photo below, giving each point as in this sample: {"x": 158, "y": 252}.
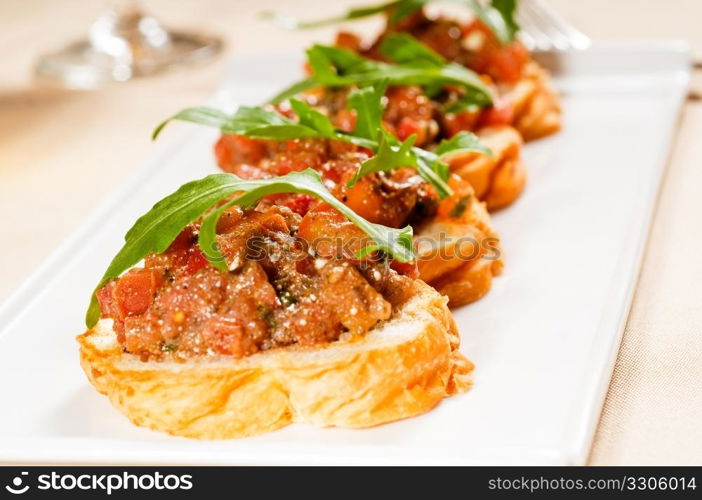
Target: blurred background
{"x": 62, "y": 151}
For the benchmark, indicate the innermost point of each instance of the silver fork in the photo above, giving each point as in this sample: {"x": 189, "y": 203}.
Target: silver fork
{"x": 543, "y": 30}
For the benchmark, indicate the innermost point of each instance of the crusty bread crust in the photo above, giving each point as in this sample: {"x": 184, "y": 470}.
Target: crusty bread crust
{"x": 537, "y": 107}
{"x": 497, "y": 179}
{"x": 400, "y": 369}
{"x": 459, "y": 257}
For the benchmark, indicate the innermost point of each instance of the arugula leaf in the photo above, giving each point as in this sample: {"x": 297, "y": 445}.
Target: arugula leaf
{"x": 248, "y": 118}
{"x": 315, "y": 120}
{"x": 293, "y": 90}
{"x": 340, "y": 59}
{"x": 403, "y": 48}
{"x": 508, "y": 11}
{"x": 461, "y": 142}
{"x": 156, "y": 230}
{"x": 387, "y": 158}
{"x": 262, "y": 124}
{"x": 402, "y": 7}
{"x": 401, "y": 237}
{"x": 434, "y": 171}
{"x": 392, "y": 154}
{"x": 204, "y": 116}
{"x": 367, "y": 102}
{"x": 259, "y": 123}
{"x": 498, "y": 15}
{"x": 339, "y": 67}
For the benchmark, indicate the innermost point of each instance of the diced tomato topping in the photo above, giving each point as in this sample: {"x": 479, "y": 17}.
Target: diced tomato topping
{"x": 329, "y": 232}
{"x": 196, "y": 260}
{"x": 508, "y": 62}
{"x": 406, "y": 268}
{"x": 135, "y": 291}
{"x": 182, "y": 242}
{"x": 283, "y": 168}
{"x": 455, "y": 205}
{"x": 465, "y": 120}
{"x": 365, "y": 200}
{"x": 285, "y": 109}
{"x": 407, "y": 127}
{"x": 301, "y": 204}
{"x": 183, "y": 256}
{"x": 227, "y": 336}
{"x": 345, "y": 120}
{"x": 500, "y": 113}
{"x": 232, "y": 150}
{"x": 504, "y": 63}
{"x": 348, "y": 40}
{"x": 408, "y": 112}
{"x": 105, "y": 297}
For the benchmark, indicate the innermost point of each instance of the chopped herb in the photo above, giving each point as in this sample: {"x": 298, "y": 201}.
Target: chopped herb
{"x": 267, "y": 316}
{"x": 460, "y": 207}
{"x": 287, "y": 299}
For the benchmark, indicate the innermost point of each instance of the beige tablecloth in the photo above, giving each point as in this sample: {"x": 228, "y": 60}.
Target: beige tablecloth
{"x": 61, "y": 152}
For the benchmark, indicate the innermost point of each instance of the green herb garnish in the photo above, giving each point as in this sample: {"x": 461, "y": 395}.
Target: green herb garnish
{"x": 367, "y": 102}
{"x": 460, "y": 207}
{"x": 416, "y": 64}
{"x": 387, "y": 157}
{"x": 261, "y": 123}
{"x": 402, "y": 8}
{"x": 155, "y": 231}
{"x": 405, "y": 49}
{"x": 497, "y": 15}
{"x": 461, "y": 143}
{"x": 267, "y": 316}
{"x": 392, "y": 154}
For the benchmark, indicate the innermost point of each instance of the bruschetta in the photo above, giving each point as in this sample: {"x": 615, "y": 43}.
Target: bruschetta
{"x": 283, "y": 328}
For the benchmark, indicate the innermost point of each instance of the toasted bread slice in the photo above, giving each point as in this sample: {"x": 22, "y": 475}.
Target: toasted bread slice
{"x": 498, "y": 179}
{"x": 460, "y": 256}
{"x": 537, "y": 107}
{"x": 402, "y": 368}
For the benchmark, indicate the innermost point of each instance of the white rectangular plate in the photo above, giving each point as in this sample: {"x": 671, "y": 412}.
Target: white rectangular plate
{"x": 544, "y": 340}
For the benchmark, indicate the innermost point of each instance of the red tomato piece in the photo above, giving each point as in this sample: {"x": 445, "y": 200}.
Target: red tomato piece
{"x": 407, "y": 127}
{"x": 500, "y": 113}
{"x": 345, "y": 120}
{"x": 465, "y": 120}
{"x": 196, "y": 260}
{"x": 348, "y": 40}
{"x": 135, "y": 291}
{"x": 406, "y": 268}
{"x": 363, "y": 199}
{"x": 234, "y": 150}
{"x": 455, "y": 205}
{"x": 301, "y": 204}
